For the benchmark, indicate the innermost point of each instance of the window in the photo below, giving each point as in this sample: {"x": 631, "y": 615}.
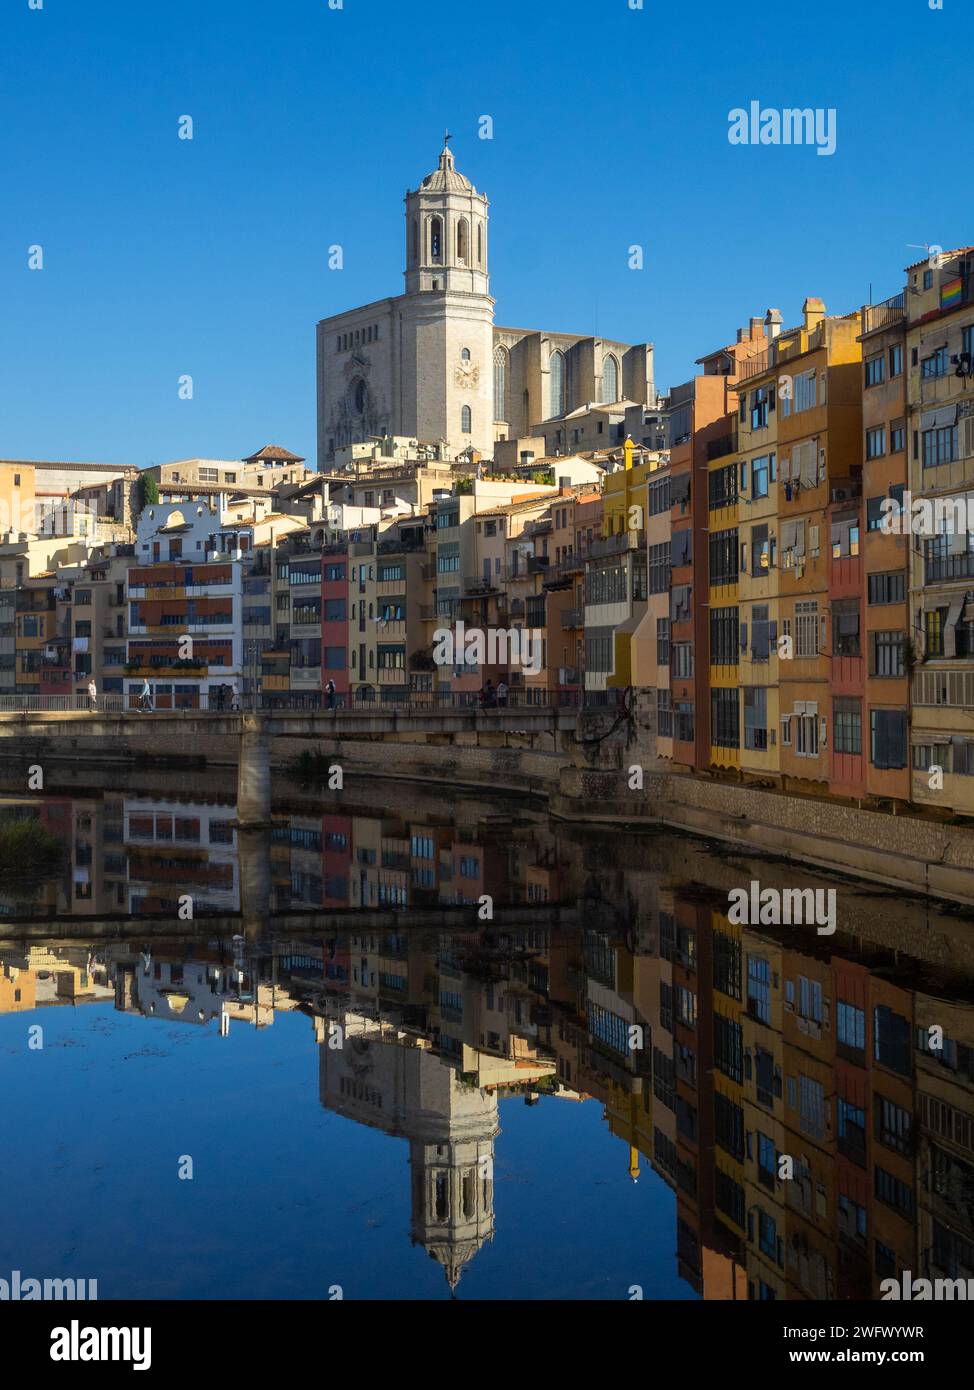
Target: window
{"x": 760, "y": 550}
{"x": 664, "y": 714}
{"x": 658, "y": 496}
{"x": 806, "y": 734}
{"x": 852, "y": 1130}
{"x": 897, "y": 440}
{"x": 721, "y": 486}
{"x": 804, "y": 392}
{"x": 847, "y": 721}
{"x": 876, "y": 442}
{"x": 728, "y": 1126}
{"x": 683, "y": 722}
{"x": 727, "y": 964}
{"x": 811, "y": 1107}
{"x": 724, "y": 637}
{"x": 891, "y": 1040}
{"x": 893, "y": 1193}
{"x": 845, "y": 627}
{"x": 887, "y": 738}
{"x": 888, "y": 587}
{"x": 933, "y": 631}
{"x": 806, "y": 628}
{"x": 556, "y": 384}
{"x": 936, "y": 364}
{"x": 896, "y": 360}
{"x": 850, "y": 1027}
{"x": 724, "y": 718}
{"x": 762, "y": 472}
{"x": 755, "y": 717}
{"x": 759, "y": 989}
{"x": 728, "y": 1047}
{"x": 466, "y": 420}
{"x": 893, "y": 1126}
{"x": 610, "y": 380}
{"x": 662, "y": 641}
{"x": 761, "y": 632}
{"x": 875, "y": 370}
{"x": 500, "y": 383}
{"x": 681, "y": 663}
{"x": 724, "y": 557}
{"x": 939, "y": 446}
{"x": 887, "y": 654}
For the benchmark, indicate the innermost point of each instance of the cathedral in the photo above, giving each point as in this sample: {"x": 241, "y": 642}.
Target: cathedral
{"x": 431, "y": 364}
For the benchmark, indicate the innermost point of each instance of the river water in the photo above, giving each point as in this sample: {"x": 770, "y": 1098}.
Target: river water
{"x": 413, "y": 1043}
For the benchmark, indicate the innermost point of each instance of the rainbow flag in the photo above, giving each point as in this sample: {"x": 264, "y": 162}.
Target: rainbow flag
{"x": 951, "y": 293}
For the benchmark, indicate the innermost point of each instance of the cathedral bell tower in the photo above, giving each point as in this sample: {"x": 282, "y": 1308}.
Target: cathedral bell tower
{"x": 446, "y": 232}
{"x": 446, "y": 317}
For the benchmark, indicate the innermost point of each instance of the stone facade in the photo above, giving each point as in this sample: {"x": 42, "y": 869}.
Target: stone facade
{"x": 430, "y": 364}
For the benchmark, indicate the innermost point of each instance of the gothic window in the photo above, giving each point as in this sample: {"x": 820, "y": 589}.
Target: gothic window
{"x": 358, "y": 394}
{"x": 500, "y": 384}
{"x": 480, "y": 245}
{"x": 610, "y": 380}
{"x": 556, "y": 368}
{"x": 436, "y": 239}
{"x": 462, "y": 239}
{"x": 465, "y": 355}
{"x": 441, "y": 1191}
{"x": 466, "y": 420}
{"x": 415, "y": 240}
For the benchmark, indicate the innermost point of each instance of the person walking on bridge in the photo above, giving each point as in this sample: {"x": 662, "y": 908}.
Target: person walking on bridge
{"x": 92, "y": 695}
{"x": 145, "y": 698}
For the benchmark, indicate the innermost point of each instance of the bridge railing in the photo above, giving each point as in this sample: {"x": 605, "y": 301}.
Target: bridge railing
{"x": 207, "y": 702}
{"x": 60, "y": 704}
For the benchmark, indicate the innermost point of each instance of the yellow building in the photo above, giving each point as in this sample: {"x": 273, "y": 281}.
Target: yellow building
{"x": 615, "y": 579}
{"x": 760, "y": 546}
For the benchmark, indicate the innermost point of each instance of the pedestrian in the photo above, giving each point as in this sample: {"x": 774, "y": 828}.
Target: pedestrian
{"x": 502, "y": 694}
{"x": 490, "y": 694}
{"x": 330, "y": 692}
{"x": 234, "y": 701}
{"x": 221, "y": 695}
{"x": 145, "y": 699}
{"x": 92, "y": 694}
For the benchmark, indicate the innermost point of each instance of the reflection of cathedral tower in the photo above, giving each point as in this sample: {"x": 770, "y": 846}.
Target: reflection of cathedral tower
{"x": 453, "y": 1198}
{"x": 380, "y": 1078}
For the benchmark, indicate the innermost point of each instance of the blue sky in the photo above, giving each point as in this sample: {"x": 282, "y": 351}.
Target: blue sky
{"x": 210, "y": 257}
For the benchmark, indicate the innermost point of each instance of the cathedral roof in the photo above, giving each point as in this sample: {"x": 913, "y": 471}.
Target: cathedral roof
{"x": 445, "y": 178}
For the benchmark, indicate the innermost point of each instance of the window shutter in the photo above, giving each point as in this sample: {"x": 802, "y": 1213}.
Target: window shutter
{"x": 743, "y": 637}
{"x": 959, "y": 745}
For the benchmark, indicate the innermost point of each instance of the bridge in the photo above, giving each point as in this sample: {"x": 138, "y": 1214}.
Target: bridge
{"x": 110, "y": 719}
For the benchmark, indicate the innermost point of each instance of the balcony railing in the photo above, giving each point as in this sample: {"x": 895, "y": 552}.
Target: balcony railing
{"x": 717, "y": 448}
{"x": 573, "y": 618}
{"x": 892, "y": 310}
{"x": 617, "y": 544}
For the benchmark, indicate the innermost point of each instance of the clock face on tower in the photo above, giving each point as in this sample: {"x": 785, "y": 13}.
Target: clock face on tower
{"x": 467, "y": 374}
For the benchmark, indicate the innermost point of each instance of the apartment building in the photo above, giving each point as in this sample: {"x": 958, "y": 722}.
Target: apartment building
{"x": 616, "y": 579}
{"x": 576, "y": 520}
{"x": 940, "y": 415}
{"x": 651, "y": 639}
{"x": 820, "y": 458}
{"x": 762, "y": 549}
{"x": 888, "y": 641}
{"x": 699, "y": 421}
{"x": 185, "y": 597}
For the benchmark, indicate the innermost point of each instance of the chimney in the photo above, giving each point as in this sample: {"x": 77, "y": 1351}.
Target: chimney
{"x": 772, "y": 323}
{"x": 813, "y": 312}
{"x": 740, "y": 335}
{"x": 757, "y": 327}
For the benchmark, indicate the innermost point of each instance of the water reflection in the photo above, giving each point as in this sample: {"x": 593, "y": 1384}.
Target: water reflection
{"x": 794, "y": 1093}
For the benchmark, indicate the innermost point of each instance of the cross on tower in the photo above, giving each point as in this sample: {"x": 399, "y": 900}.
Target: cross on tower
{"x": 447, "y": 137}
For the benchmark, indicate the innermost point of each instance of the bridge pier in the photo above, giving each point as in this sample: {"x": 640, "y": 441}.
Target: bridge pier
{"x": 254, "y": 859}
{"x": 254, "y": 773}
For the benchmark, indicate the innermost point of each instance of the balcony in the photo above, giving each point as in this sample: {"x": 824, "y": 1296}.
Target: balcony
{"x": 753, "y": 366}
{"x": 573, "y": 618}
{"x": 617, "y": 544}
{"x": 479, "y": 584}
{"x": 718, "y": 448}
{"x": 882, "y": 315}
